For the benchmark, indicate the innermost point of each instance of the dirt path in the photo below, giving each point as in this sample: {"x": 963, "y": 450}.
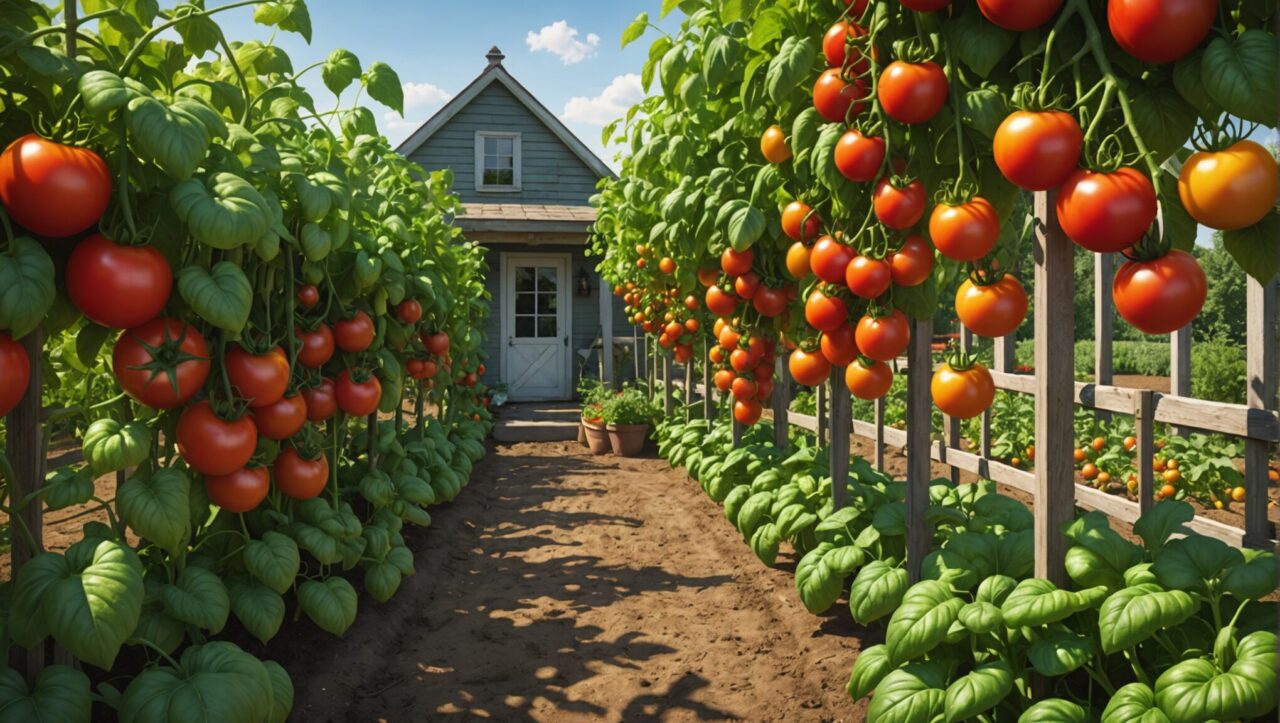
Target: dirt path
{"x": 565, "y": 587}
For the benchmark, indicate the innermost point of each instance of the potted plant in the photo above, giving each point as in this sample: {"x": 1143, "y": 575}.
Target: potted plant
{"x": 628, "y": 416}
{"x": 591, "y": 431}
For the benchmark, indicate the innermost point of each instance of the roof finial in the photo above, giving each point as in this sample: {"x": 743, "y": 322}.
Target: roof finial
{"x": 495, "y": 56}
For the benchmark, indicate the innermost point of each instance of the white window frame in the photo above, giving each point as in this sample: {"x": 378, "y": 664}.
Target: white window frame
{"x": 515, "y": 162}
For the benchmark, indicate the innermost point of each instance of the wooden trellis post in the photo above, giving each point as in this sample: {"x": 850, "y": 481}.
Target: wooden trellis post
{"x": 919, "y": 426}
{"x": 879, "y": 440}
{"x": 1180, "y": 367}
{"x": 1144, "y": 424}
{"x": 781, "y": 398}
{"x": 1055, "y": 389}
{"x": 1260, "y": 331}
{"x": 1103, "y": 271}
{"x": 688, "y": 390}
{"x": 26, "y": 454}
{"x": 708, "y": 406}
{"x": 841, "y": 428}
{"x": 820, "y": 411}
{"x": 666, "y": 383}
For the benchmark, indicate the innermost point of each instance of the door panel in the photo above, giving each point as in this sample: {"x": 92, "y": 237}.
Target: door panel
{"x": 535, "y": 311}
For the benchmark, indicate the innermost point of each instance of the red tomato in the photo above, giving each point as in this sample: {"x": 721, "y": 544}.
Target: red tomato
{"x": 1160, "y": 31}
{"x": 737, "y": 263}
{"x": 962, "y": 393}
{"x": 52, "y": 189}
{"x": 824, "y": 312}
{"x": 162, "y": 363}
{"x": 358, "y": 399}
{"x": 859, "y": 7}
{"x": 317, "y": 346}
{"x": 829, "y": 260}
{"x": 321, "y": 400}
{"x": 868, "y": 382}
{"x": 838, "y": 345}
{"x": 437, "y": 343}
{"x": 912, "y": 93}
{"x": 1106, "y": 212}
{"x": 283, "y": 419}
{"x": 798, "y": 260}
{"x": 883, "y": 338}
{"x": 926, "y": 6}
{"x": 796, "y": 215}
{"x": 212, "y": 445}
{"x": 118, "y": 286}
{"x": 298, "y": 478}
{"x": 1161, "y": 295}
{"x": 15, "y": 373}
{"x": 770, "y": 302}
{"x": 728, "y": 338}
{"x": 747, "y": 285}
{"x": 966, "y": 232}
{"x": 723, "y": 380}
{"x": 747, "y": 411}
{"x": 261, "y": 379}
{"x": 868, "y": 277}
{"x": 992, "y": 310}
{"x": 743, "y": 388}
{"x": 859, "y": 157}
{"x": 741, "y": 360}
{"x": 354, "y": 334}
{"x": 429, "y": 369}
{"x": 720, "y": 302}
{"x": 409, "y": 311}
{"x": 684, "y": 353}
{"x": 708, "y": 276}
{"x": 1038, "y": 150}
{"x": 764, "y": 387}
{"x": 836, "y": 47}
{"x": 469, "y": 379}
{"x": 912, "y": 264}
{"x": 899, "y": 208}
{"x": 836, "y": 99}
{"x": 1019, "y": 15}
{"x": 240, "y": 491}
{"x": 808, "y": 368}
{"x": 308, "y": 295}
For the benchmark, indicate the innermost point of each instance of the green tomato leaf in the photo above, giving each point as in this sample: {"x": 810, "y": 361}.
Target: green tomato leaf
{"x": 258, "y": 608}
{"x": 384, "y": 86}
{"x": 67, "y": 486}
{"x": 635, "y": 29}
{"x": 103, "y": 91}
{"x": 168, "y": 135}
{"x": 789, "y": 66}
{"x": 979, "y": 43}
{"x": 26, "y": 286}
{"x": 331, "y": 604}
{"x": 281, "y": 692}
{"x": 94, "y": 607}
{"x": 1255, "y": 248}
{"x": 110, "y": 446}
{"x": 876, "y": 591}
{"x": 157, "y": 506}
{"x": 1163, "y": 119}
{"x": 226, "y": 214}
{"x": 216, "y": 682}
{"x": 60, "y": 694}
{"x": 978, "y": 691}
{"x": 1239, "y": 74}
{"x": 381, "y": 580}
{"x": 223, "y": 297}
{"x": 1189, "y": 81}
{"x": 198, "y": 598}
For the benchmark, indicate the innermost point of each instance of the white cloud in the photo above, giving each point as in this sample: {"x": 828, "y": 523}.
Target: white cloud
{"x": 420, "y": 101}
{"x": 612, "y": 103}
{"x": 560, "y": 39}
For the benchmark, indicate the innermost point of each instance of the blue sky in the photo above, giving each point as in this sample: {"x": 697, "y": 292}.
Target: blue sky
{"x": 566, "y": 52}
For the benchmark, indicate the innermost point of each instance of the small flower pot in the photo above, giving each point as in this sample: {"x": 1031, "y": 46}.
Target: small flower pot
{"x": 627, "y": 440}
{"x": 597, "y": 437}
{"x": 582, "y": 433}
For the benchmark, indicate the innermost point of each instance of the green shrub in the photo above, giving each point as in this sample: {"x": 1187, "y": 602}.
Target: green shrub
{"x": 629, "y": 406}
{"x": 1219, "y": 372}
{"x": 1145, "y": 358}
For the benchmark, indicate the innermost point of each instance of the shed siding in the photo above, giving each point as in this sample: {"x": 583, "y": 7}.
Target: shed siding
{"x": 551, "y": 172}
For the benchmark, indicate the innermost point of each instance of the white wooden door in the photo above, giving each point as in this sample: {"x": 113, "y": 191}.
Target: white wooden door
{"x": 535, "y": 314}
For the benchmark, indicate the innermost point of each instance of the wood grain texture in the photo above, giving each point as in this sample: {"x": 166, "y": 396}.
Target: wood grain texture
{"x": 26, "y": 452}
{"x": 919, "y": 425}
{"x": 841, "y": 428}
{"x": 781, "y": 402}
{"x": 1144, "y": 430}
{"x": 1180, "y": 368}
{"x": 1262, "y": 359}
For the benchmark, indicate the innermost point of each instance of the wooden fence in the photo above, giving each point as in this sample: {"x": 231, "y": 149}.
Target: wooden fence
{"x": 1051, "y": 483}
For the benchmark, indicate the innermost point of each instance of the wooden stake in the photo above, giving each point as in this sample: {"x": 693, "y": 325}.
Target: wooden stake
{"x": 25, "y": 427}
{"x": 919, "y": 426}
{"x": 781, "y": 400}
{"x": 1260, "y": 330}
{"x": 841, "y": 428}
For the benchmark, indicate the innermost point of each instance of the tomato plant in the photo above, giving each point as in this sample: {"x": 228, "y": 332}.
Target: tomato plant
{"x": 1106, "y": 212}
{"x": 300, "y": 478}
{"x": 51, "y": 188}
{"x": 240, "y": 491}
{"x": 162, "y": 363}
{"x": 118, "y": 286}
{"x": 1162, "y": 294}
{"x": 212, "y": 445}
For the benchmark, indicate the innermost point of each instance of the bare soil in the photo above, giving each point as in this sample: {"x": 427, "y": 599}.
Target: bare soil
{"x": 565, "y": 587}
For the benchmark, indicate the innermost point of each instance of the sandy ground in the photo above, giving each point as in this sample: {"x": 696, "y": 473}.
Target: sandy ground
{"x": 562, "y": 587}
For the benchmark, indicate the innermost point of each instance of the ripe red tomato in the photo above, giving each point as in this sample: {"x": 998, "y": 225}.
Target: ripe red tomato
{"x": 883, "y": 338}
{"x": 168, "y": 376}
{"x": 437, "y": 343}
{"x": 728, "y": 338}
{"x": 747, "y": 411}
{"x": 240, "y": 491}
{"x": 962, "y": 393}
{"x": 667, "y": 265}
{"x": 1106, "y": 212}
{"x": 798, "y": 260}
{"x": 992, "y": 310}
{"x": 741, "y": 360}
{"x": 1161, "y": 295}
{"x": 835, "y": 47}
{"x": 1160, "y": 31}
{"x": 723, "y": 380}
{"x": 354, "y": 334}
{"x": 298, "y": 478}
{"x": 837, "y": 99}
{"x": 1229, "y": 189}
{"x": 899, "y": 208}
{"x": 52, "y": 189}
{"x": 912, "y": 93}
{"x": 743, "y": 388}
{"x": 358, "y": 399}
{"x": 321, "y": 400}
{"x": 15, "y": 373}
{"x": 261, "y": 379}
{"x": 736, "y": 263}
{"x": 683, "y": 353}
{"x": 212, "y": 445}
{"x": 859, "y": 157}
{"x": 747, "y": 285}
{"x": 824, "y": 312}
{"x": 118, "y": 286}
{"x": 799, "y": 214}
{"x": 912, "y": 264}
{"x": 926, "y": 6}
{"x": 868, "y": 382}
{"x": 283, "y": 419}
{"x": 1019, "y": 15}
{"x": 708, "y": 276}
{"x": 409, "y": 311}
{"x": 317, "y": 346}
{"x": 808, "y": 368}
{"x": 770, "y": 302}
{"x": 308, "y": 295}
{"x": 829, "y": 260}
{"x": 965, "y": 232}
{"x": 1038, "y": 150}
{"x": 838, "y": 346}
{"x": 868, "y": 277}
{"x": 720, "y": 302}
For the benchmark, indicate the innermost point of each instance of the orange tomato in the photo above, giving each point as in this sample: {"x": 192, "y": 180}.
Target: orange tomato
{"x": 773, "y": 145}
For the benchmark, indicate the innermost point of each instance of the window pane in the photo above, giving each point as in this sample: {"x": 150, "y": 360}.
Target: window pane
{"x": 524, "y": 326}
{"x": 547, "y": 303}
{"x": 504, "y": 178}
{"x": 524, "y": 278}
{"x": 546, "y": 326}
{"x": 547, "y": 279}
{"x": 490, "y": 146}
{"x": 505, "y": 146}
{"x": 524, "y": 303}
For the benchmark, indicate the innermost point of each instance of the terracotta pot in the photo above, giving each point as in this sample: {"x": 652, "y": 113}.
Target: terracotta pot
{"x": 597, "y": 437}
{"x": 627, "y": 440}
{"x": 582, "y": 433}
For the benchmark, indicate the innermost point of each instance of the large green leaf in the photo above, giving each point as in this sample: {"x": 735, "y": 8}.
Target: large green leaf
{"x": 92, "y": 609}
{"x": 978, "y": 691}
{"x": 1255, "y": 249}
{"x": 384, "y": 86}
{"x": 1055, "y": 710}
{"x": 381, "y": 580}
{"x": 869, "y": 668}
{"x": 820, "y": 574}
{"x": 216, "y": 682}
{"x": 746, "y": 225}
{"x": 281, "y": 692}
{"x": 61, "y": 695}
{"x": 258, "y": 608}
{"x": 1240, "y": 74}
{"x": 1157, "y": 524}
{"x": 223, "y": 297}
{"x": 1133, "y": 614}
{"x": 980, "y": 617}
{"x": 1190, "y": 563}
{"x": 1254, "y": 579}
{"x": 979, "y": 43}
{"x": 635, "y": 29}
{"x": 103, "y": 91}
{"x": 67, "y": 486}
{"x": 157, "y": 506}
{"x": 1039, "y": 602}
{"x": 226, "y": 214}
{"x": 876, "y": 591}
{"x": 789, "y": 66}
{"x": 198, "y": 598}
{"x": 915, "y": 692}
{"x": 928, "y": 610}
{"x": 1164, "y": 120}
{"x": 1196, "y": 690}
{"x": 110, "y": 446}
{"x": 1133, "y": 703}
{"x": 26, "y": 286}
{"x": 340, "y": 69}
{"x": 1060, "y": 652}
{"x": 331, "y": 604}
{"x": 168, "y": 135}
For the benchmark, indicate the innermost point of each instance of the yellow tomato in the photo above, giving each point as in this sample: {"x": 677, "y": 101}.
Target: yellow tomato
{"x": 1229, "y": 189}
{"x": 1237, "y": 494}
{"x": 773, "y": 144}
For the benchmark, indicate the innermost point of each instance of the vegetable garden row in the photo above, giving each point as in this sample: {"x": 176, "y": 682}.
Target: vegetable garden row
{"x": 809, "y": 177}
{"x": 250, "y": 311}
